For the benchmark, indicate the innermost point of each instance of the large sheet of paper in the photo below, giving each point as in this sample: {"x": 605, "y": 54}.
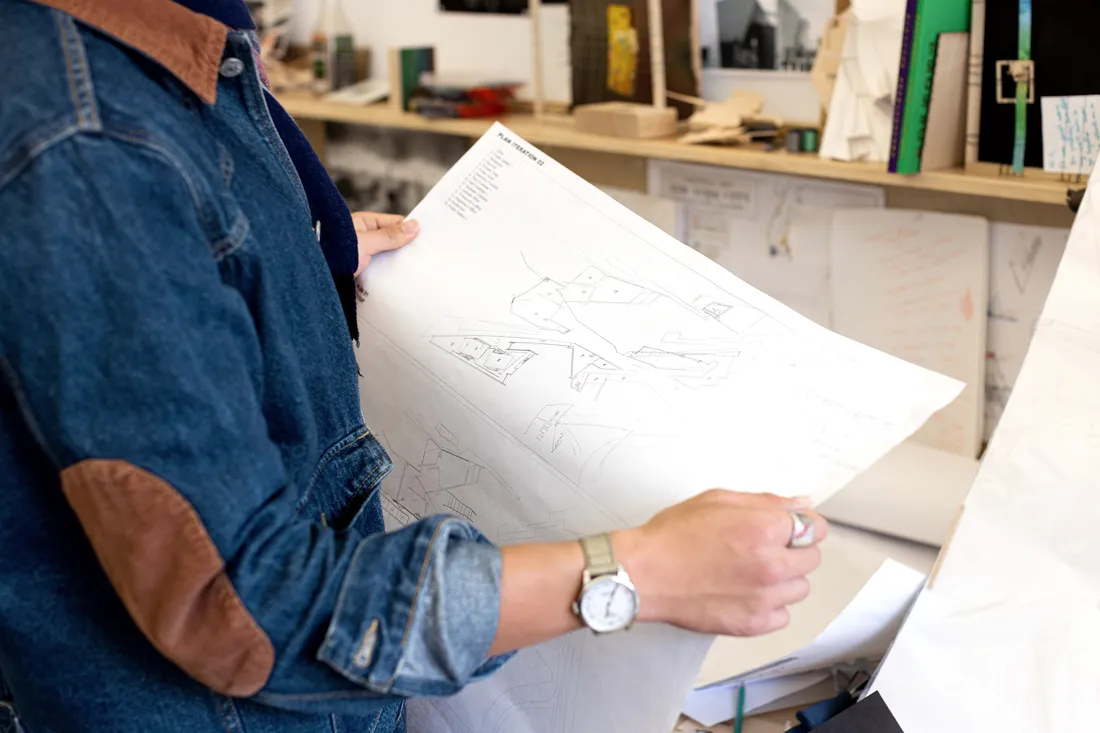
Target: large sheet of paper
{"x": 915, "y": 284}
{"x": 913, "y": 493}
{"x": 1022, "y": 263}
{"x": 866, "y": 582}
{"x": 547, "y": 364}
{"x": 772, "y": 231}
{"x": 1007, "y": 636}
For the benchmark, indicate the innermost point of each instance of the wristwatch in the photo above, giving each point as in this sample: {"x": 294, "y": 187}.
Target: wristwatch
{"x": 608, "y": 601}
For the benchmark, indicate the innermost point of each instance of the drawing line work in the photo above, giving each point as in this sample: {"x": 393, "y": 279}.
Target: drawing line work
{"x": 434, "y": 479}
{"x": 573, "y": 443}
{"x": 1023, "y": 265}
{"x": 695, "y": 343}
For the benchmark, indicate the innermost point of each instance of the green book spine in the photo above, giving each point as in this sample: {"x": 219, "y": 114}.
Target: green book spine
{"x": 933, "y": 18}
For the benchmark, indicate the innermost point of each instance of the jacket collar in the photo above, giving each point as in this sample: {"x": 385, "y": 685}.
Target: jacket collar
{"x": 188, "y": 44}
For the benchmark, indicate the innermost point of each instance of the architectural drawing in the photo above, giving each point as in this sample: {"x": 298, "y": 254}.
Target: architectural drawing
{"x": 494, "y": 357}
{"x": 433, "y": 474}
{"x": 693, "y": 343}
{"x": 618, "y": 381}
{"x": 571, "y": 443}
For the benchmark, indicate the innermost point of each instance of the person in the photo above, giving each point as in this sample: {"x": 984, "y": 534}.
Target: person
{"x": 191, "y": 536}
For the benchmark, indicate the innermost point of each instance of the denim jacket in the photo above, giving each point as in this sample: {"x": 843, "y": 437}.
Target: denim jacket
{"x": 191, "y": 537}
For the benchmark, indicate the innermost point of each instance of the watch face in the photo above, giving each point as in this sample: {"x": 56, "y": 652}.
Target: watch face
{"x": 608, "y": 604}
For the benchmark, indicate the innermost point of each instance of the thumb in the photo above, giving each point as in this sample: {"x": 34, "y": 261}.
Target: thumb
{"x": 387, "y": 238}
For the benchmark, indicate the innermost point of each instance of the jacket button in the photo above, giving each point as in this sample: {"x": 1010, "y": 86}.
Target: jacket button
{"x": 231, "y": 67}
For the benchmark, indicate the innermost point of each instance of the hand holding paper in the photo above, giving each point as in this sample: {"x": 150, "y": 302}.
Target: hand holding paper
{"x": 548, "y": 365}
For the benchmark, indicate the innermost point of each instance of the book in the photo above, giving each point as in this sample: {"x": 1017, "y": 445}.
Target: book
{"x": 903, "y": 81}
{"x": 406, "y": 67}
{"x": 925, "y": 20}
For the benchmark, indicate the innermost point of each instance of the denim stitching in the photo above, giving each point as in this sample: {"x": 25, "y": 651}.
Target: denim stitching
{"x": 328, "y": 457}
{"x": 377, "y": 717}
{"x": 227, "y": 165}
{"x": 227, "y": 711}
{"x": 62, "y": 31}
{"x": 37, "y": 143}
{"x": 144, "y": 140}
{"x": 225, "y": 246}
{"x": 277, "y": 698}
{"x": 81, "y": 76}
{"x": 362, "y": 484}
{"x": 416, "y": 596}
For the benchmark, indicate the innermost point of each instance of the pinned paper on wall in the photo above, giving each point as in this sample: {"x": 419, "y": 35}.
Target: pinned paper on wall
{"x": 665, "y": 214}
{"x": 1023, "y": 261}
{"x": 915, "y": 284}
{"x": 1071, "y": 133}
{"x": 770, "y": 230}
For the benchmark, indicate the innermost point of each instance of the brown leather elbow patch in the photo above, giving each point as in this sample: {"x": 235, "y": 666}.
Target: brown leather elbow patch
{"x": 170, "y": 576}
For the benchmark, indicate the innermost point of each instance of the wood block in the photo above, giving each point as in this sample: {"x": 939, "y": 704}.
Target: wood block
{"x": 945, "y": 133}
{"x": 623, "y": 119}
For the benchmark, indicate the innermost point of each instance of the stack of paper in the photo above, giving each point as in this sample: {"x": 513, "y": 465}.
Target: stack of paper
{"x": 862, "y": 595}
{"x": 548, "y": 364}
{"x": 1007, "y": 634}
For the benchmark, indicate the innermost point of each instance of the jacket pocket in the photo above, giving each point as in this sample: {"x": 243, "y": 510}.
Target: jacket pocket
{"x": 343, "y": 491}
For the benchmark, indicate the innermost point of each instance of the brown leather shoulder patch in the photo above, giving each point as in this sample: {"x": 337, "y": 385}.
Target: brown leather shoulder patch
{"x": 168, "y": 573}
{"x": 187, "y": 44}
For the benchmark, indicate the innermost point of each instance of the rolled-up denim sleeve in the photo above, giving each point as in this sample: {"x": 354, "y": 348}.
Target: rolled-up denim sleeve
{"x": 139, "y": 372}
{"x": 430, "y": 630}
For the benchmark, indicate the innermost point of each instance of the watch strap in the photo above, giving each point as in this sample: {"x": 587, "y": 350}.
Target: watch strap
{"x": 599, "y": 555}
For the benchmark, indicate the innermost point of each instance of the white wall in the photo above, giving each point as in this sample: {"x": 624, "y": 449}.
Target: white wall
{"x": 498, "y": 45}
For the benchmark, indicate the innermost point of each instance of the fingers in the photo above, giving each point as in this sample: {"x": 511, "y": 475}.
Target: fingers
{"x": 760, "y": 624}
{"x": 368, "y": 221}
{"x": 381, "y": 233}
{"x": 780, "y": 527}
{"x": 759, "y": 501}
{"x": 390, "y": 237}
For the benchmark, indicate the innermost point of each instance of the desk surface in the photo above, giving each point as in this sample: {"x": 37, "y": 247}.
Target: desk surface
{"x": 559, "y": 131}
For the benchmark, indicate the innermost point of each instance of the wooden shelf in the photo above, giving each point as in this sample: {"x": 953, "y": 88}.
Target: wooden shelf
{"x": 559, "y": 131}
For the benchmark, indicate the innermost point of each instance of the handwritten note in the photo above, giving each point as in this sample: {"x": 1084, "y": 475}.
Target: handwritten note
{"x": 1071, "y": 133}
{"x": 915, "y": 285}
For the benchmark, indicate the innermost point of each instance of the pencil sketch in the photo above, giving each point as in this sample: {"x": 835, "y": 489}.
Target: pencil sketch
{"x": 1022, "y": 263}
{"x": 572, "y": 442}
{"x": 434, "y": 474}
{"x": 495, "y": 357}
{"x": 695, "y": 343}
